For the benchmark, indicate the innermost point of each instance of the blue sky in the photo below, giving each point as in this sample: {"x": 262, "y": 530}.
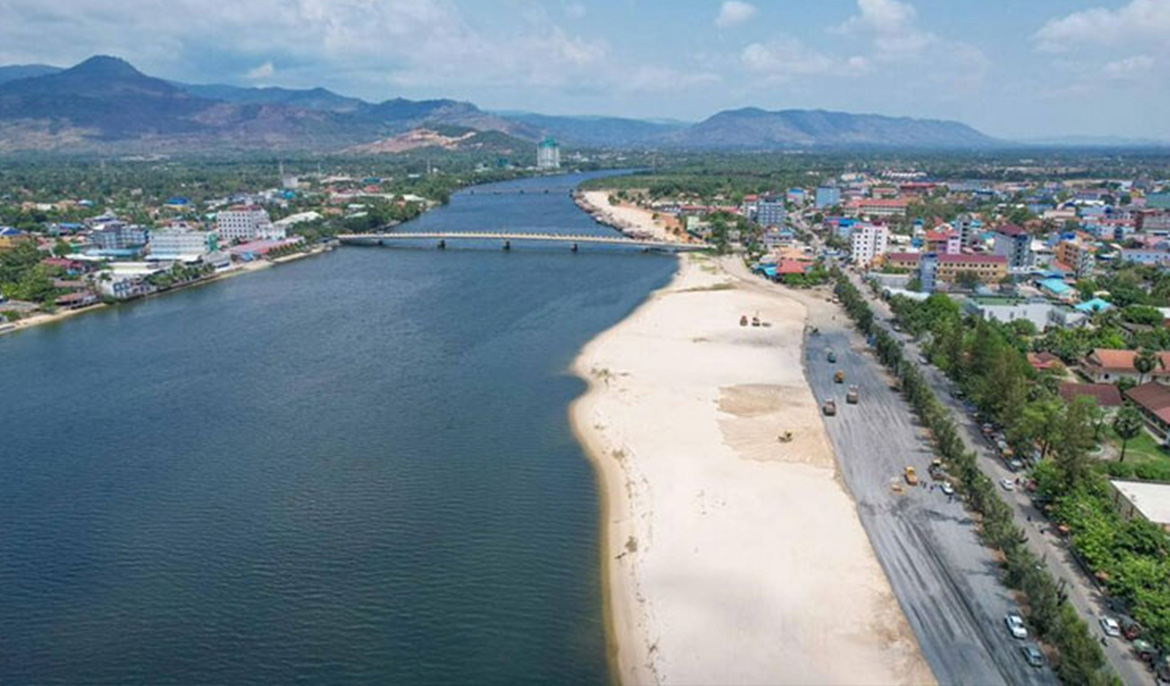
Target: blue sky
{"x": 1012, "y": 68}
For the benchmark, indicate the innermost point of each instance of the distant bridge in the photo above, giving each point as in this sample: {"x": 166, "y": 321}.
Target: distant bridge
{"x": 520, "y": 191}
{"x": 506, "y": 239}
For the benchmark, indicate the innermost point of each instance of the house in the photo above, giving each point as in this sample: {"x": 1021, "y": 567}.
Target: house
{"x": 1110, "y": 366}
{"x": 1142, "y": 500}
{"x": 1153, "y": 401}
{"x": 1045, "y": 361}
{"x": 1106, "y": 395}
{"x": 10, "y": 237}
{"x": 1057, "y": 288}
{"x": 76, "y": 300}
{"x": 1094, "y": 306}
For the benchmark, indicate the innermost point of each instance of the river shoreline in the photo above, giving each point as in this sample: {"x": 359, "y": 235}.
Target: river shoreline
{"x": 727, "y": 556}
{"x": 247, "y": 268}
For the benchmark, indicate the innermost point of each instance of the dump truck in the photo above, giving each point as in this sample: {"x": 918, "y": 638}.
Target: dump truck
{"x": 839, "y": 377}
{"x": 853, "y": 396}
{"x": 829, "y": 408}
{"x": 911, "y": 476}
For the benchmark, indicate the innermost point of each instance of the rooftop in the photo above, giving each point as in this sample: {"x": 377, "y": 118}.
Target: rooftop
{"x": 1151, "y": 499}
{"x": 1106, "y": 394}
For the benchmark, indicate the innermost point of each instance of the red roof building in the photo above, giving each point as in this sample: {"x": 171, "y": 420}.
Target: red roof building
{"x": 1106, "y": 395}
{"x": 1153, "y": 399}
{"x": 1044, "y": 361}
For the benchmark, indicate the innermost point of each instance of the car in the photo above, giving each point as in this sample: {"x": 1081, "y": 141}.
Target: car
{"x": 947, "y": 488}
{"x": 1015, "y": 625}
{"x": 1032, "y": 655}
{"x": 1008, "y": 484}
{"x": 924, "y": 359}
{"x": 1110, "y": 626}
{"x": 1016, "y": 465}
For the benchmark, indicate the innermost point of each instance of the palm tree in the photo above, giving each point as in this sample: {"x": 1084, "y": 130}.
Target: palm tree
{"x": 1127, "y": 425}
{"x": 1144, "y": 363}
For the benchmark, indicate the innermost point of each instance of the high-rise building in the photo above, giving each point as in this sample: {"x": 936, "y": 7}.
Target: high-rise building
{"x": 1014, "y": 243}
{"x": 828, "y": 196}
{"x": 868, "y": 242}
{"x": 770, "y": 211}
{"x": 548, "y": 154}
{"x": 245, "y": 223}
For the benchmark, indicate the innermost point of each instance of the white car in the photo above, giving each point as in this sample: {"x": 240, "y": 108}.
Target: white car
{"x": 1008, "y": 484}
{"x": 1110, "y": 627}
{"x": 947, "y": 488}
{"x": 1015, "y": 625}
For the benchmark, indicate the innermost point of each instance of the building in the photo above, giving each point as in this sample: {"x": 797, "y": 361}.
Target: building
{"x": 903, "y": 261}
{"x": 877, "y": 207}
{"x": 1014, "y": 243}
{"x": 10, "y": 237}
{"x": 1106, "y": 395}
{"x": 827, "y": 196}
{"x": 1041, "y": 313}
{"x": 182, "y": 245}
{"x": 1110, "y": 366}
{"x": 1044, "y": 361}
{"x": 944, "y": 241}
{"x": 548, "y": 154}
{"x": 1142, "y": 500}
{"x": 246, "y": 223}
{"x": 1149, "y": 257}
{"x": 1158, "y": 201}
{"x": 969, "y": 229}
{"x": 984, "y": 268}
{"x": 869, "y": 241}
{"x": 1153, "y": 400}
{"x": 115, "y": 238}
{"x": 770, "y": 211}
{"x": 1057, "y": 288}
{"x": 1076, "y": 255}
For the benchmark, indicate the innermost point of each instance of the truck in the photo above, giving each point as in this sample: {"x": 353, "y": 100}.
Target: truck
{"x": 839, "y": 377}
{"x": 853, "y": 396}
{"x": 829, "y": 408}
{"x": 911, "y": 476}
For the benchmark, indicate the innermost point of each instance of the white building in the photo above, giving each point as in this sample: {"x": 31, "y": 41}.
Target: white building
{"x": 181, "y": 245}
{"x": 548, "y": 154}
{"x": 869, "y": 242}
{"x": 246, "y": 223}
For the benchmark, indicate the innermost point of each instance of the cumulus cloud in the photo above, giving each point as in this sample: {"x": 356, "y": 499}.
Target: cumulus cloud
{"x": 1137, "y": 20}
{"x": 733, "y": 13}
{"x": 893, "y": 27}
{"x": 1129, "y": 67}
{"x": 785, "y": 57}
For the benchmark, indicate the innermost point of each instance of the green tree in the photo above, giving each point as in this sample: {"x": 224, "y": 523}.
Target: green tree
{"x": 1127, "y": 425}
{"x": 1075, "y": 442}
{"x": 1144, "y": 362}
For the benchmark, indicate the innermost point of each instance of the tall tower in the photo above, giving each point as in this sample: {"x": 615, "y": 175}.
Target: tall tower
{"x": 548, "y": 154}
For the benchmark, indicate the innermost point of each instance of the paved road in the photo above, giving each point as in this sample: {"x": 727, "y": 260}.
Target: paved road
{"x": 1082, "y": 592}
{"x": 946, "y": 581}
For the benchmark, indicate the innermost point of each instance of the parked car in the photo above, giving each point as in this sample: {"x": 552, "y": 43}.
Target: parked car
{"x": 1008, "y": 484}
{"x": 1032, "y": 655}
{"x": 1110, "y": 626}
{"x": 1015, "y": 625}
{"x": 947, "y": 488}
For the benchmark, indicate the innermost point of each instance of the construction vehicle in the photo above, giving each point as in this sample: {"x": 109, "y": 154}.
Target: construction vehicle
{"x": 830, "y": 408}
{"x": 911, "y": 476}
{"x": 853, "y": 396}
{"x": 839, "y": 377}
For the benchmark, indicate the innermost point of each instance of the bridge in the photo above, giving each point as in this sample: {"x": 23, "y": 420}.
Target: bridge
{"x": 505, "y": 238}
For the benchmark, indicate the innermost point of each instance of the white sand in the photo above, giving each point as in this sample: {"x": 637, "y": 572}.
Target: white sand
{"x": 731, "y": 557}
{"x": 631, "y": 218}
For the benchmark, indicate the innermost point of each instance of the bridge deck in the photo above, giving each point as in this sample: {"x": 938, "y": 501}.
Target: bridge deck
{"x": 383, "y": 238}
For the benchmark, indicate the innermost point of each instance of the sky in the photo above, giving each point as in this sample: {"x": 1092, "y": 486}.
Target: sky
{"x": 1012, "y": 68}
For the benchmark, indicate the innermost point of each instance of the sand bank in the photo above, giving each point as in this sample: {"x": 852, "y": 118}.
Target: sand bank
{"x": 731, "y": 557}
{"x": 631, "y": 219}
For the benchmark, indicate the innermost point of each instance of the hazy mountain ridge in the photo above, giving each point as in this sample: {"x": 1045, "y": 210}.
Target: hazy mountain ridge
{"x": 105, "y": 104}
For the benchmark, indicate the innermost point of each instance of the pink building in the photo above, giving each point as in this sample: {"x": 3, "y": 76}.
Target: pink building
{"x": 945, "y": 241}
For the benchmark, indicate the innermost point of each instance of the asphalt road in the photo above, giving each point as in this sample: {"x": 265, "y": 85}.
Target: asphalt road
{"x": 1088, "y": 600}
{"x": 946, "y": 581}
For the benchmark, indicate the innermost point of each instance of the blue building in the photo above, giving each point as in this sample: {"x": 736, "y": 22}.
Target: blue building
{"x": 828, "y": 196}
{"x": 770, "y": 211}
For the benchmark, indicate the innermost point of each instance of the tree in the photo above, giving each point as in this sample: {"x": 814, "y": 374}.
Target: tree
{"x": 1144, "y": 363}
{"x": 62, "y": 248}
{"x": 1075, "y": 442}
{"x": 967, "y": 280}
{"x": 1127, "y": 425}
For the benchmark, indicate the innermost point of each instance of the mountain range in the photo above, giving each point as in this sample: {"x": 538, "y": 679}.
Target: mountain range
{"x": 106, "y": 105}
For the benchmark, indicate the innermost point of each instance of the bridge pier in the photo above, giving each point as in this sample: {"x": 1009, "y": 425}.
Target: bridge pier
{"x": 443, "y": 245}
{"x": 574, "y": 248}
{"x": 507, "y": 246}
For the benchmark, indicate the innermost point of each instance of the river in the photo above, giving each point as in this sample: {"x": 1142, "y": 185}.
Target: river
{"x": 355, "y": 468}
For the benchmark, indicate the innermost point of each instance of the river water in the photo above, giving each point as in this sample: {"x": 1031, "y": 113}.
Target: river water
{"x": 356, "y": 468}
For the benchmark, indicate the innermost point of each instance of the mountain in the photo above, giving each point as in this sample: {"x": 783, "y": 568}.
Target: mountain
{"x": 105, "y": 105}
{"x": 25, "y": 71}
{"x": 757, "y": 129}
{"x": 310, "y": 99}
{"x": 604, "y": 132}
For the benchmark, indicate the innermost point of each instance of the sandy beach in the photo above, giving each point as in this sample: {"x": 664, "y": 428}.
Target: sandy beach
{"x": 730, "y": 556}
{"x": 633, "y": 219}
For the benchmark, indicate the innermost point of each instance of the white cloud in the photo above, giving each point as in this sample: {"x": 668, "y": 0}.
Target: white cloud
{"x": 892, "y": 25}
{"x": 575, "y": 10}
{"x": 1129, "y": 67}
{"x": 1136, "y": 21}
{"x": 733, "y": 13}
{"x": 263, "y": 71}
{"x": 784, "y": 58}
